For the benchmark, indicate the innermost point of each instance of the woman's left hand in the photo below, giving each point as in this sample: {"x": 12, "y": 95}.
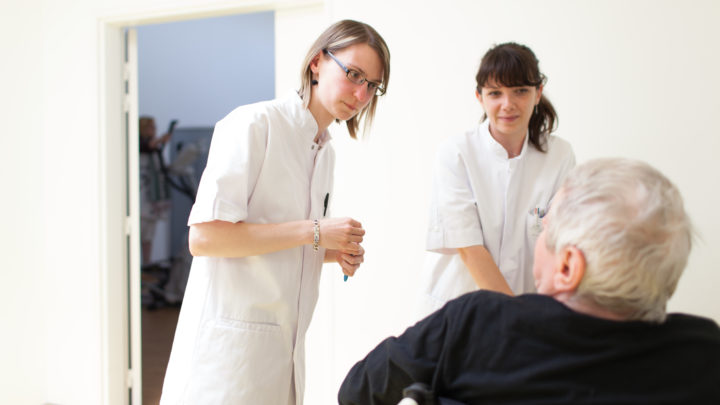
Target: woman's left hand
{"x": 350, "y": 261}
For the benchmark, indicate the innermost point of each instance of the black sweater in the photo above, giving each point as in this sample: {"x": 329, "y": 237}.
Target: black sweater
{"x": 488, "y": 348}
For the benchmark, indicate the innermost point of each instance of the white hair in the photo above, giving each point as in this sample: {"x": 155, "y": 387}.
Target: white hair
{"x": 629, "y": 222}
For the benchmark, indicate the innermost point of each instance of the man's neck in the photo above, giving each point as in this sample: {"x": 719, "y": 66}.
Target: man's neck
{"x": 586, "y": 308}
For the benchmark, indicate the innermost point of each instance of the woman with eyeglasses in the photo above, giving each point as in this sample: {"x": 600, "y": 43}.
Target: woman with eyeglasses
{"x": 260, "y": 229}
{"x": 494, "y": 183}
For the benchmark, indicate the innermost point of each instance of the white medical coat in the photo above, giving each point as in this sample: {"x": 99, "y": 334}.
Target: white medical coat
{"x": 480, "y": 197}
{"x": 241, "y": 331}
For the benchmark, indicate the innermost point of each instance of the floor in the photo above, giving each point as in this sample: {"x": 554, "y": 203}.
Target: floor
{"x": 158, "y": 329}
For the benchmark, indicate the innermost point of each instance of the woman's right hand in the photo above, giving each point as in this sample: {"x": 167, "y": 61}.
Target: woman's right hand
{"x": 343, "y": 234}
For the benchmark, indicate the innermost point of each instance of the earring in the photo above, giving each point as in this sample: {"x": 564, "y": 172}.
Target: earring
{"x": 314, "y": 82}
{"x": 536, "y": 108}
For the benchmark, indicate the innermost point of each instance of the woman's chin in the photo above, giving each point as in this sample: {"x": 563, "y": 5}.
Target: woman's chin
{"x": 344, "y": 116}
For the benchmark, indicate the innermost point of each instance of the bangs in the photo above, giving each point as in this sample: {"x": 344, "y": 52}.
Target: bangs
{"x": 509, "y": 68}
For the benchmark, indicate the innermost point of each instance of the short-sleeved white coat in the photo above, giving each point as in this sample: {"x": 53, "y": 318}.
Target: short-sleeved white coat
{"x": 481, "y": 197}
{"x": 241, "y": 331}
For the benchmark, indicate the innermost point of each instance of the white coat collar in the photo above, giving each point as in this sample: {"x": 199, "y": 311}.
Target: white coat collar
{"x": 495, "y": 147}
{"x": 307, "y": 127}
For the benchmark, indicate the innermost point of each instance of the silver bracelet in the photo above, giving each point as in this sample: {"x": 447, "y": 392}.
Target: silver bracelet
{"x": 316, "y": 236}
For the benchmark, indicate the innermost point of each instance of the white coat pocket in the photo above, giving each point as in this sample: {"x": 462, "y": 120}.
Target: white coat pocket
{"x": 533, "y": 224}
{"x": 240, "y": 363}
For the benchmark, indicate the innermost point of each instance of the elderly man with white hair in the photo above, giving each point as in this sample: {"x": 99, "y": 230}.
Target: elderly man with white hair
{"x": 613, "y": 247}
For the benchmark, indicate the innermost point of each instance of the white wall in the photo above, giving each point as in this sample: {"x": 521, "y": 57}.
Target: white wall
{"x": 628, "y": 78}
{"x": 22, "y": 249}
{"x": 631, "y": 78}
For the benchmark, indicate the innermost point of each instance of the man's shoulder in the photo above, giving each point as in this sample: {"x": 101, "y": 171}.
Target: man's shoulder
{"x": 493, "y": 296}
{"x": 693, "y": 323}
{"x": 481, "y": 302}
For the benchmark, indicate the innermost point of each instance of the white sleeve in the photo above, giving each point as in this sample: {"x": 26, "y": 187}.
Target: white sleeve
{"x": 454, "y": 221}
{"x": 567, "y": 157}
{"x": 237, "y": 152}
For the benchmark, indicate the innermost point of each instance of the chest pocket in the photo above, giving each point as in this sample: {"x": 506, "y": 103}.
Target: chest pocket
{"x": 533, "y": 223}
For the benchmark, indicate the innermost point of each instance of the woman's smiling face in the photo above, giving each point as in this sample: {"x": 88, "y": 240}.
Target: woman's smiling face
{"x": 509, "y": 108}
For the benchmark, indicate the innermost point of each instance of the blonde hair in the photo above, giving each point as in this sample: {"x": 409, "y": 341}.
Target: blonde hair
{"x": 629, "y": 222}
{"x": 339, "y": 36}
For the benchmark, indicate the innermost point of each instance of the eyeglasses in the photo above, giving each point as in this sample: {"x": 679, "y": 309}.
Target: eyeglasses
{"x": 358, "y": 77}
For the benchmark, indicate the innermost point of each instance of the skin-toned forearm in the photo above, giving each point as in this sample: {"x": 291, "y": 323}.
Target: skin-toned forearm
{"x": 483, "y": 269}
{"x": 227, "y": 239}
{"x": 159, "y": 141}
{"x": 241, "y": 239}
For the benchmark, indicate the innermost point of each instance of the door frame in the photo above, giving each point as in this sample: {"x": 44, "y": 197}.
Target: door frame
{"x": 119, "y": 222}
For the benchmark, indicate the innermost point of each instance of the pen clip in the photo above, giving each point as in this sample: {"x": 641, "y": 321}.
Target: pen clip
{"x": 538, "y": 213}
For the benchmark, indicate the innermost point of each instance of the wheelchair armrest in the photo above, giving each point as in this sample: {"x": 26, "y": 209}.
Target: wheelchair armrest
{"x": 420, "y": 394}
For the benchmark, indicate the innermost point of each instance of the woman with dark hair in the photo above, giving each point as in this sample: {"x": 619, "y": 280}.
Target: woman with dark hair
{"x": 493, "y": 184}
{"x": 260, "y": 229}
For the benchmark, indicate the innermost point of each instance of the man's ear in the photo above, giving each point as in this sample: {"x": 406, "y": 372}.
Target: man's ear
{"x": 569, "y": 269}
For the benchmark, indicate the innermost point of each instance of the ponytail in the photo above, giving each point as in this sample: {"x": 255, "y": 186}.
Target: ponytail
{"x": 543, "y": 121}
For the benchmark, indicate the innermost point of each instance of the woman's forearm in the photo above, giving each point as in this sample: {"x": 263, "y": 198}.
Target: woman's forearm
{"x": 483, "y": 269}
{"x": 227, "y": 239}
{"x": 241, "y": 239}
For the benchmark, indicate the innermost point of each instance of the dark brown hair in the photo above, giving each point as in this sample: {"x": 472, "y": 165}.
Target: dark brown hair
{"x": 513, "y": 65}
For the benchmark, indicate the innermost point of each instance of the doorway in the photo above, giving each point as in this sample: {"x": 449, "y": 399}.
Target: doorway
{"x": 121, "y": 270}
{"x": 190, "y": 74}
